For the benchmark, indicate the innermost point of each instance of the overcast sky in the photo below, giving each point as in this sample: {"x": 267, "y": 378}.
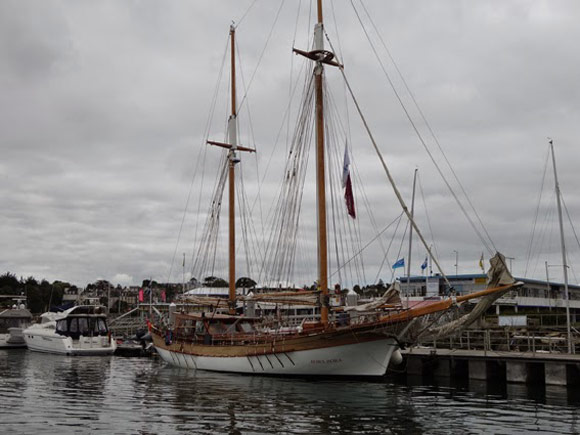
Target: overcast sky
{"x": 103, "y": 110}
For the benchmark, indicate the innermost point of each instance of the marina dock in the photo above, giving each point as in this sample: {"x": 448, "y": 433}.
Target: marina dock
{"x": 494, "y": 365}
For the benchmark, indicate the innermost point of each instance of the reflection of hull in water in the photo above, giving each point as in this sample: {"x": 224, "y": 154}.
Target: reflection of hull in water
{"x": 353, "y": 358}
{"x": 40, "y": 340}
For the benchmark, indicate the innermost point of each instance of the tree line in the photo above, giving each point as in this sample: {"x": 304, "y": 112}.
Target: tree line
{"x": 39, "y": 295}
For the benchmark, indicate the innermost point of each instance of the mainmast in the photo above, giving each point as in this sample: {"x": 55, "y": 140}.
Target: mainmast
{"x": 320, "y": 173}
{"x": 563, "y": 246}
{"x": 233, "y": 146}
{"x": 320, "y": 56}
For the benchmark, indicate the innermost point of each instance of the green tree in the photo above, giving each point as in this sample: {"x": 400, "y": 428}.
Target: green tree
{"x": 245, "y": 282}
{"x": 9, "y": 284}
{"x": 214, "y": 281}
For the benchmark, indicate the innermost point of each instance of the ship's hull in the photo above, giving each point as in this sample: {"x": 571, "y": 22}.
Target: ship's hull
{"x": 40, "y": 340}
{"x": 367, "y": 358}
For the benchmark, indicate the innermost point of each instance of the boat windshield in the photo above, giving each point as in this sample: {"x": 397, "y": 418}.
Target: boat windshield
{"x": 77, "y": 326}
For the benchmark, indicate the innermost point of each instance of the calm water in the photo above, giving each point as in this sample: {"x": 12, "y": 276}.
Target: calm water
{"x": 55, "y": 394}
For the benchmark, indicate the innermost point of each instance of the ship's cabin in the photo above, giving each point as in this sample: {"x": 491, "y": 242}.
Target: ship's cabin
{"x": 213, "y": 324}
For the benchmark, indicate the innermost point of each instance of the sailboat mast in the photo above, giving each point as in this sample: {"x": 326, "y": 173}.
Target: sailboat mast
{"x": 232, "y": 133}
{"x": 563, "y": 246}
{"x": 411, "y": 236}
{"x": 320, "y": 172}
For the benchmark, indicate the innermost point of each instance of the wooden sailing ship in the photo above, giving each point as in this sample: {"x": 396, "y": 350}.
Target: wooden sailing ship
{"x": 352, "y": 341}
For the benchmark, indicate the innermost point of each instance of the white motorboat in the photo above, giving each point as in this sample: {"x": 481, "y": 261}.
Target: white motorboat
{"x": 80, "y": 330}
{"x": 12, "y": 322}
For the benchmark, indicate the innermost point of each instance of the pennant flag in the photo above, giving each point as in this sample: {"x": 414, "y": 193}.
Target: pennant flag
{"x": 347, "y": 185}
{"x": 481, "y": 263}
{"x": 424, "y": 265}
{"x": 399, "y": 263}
{"x": 141, "y": 298}
{"x": 345, "y": 167}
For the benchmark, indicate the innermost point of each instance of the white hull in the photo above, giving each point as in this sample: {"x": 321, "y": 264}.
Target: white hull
{"x": 358, "y": 359}
{"x": 40, "y": 340}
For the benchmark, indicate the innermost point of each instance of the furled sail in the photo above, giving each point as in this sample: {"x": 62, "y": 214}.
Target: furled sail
{"x": 498, "y": 275}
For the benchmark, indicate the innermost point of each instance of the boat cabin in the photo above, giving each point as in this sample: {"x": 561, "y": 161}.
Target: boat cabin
{"x": 88, "y": 321}
{"x": 209, "y": 325}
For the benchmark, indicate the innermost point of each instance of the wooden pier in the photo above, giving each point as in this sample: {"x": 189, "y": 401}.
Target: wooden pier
{"x": 492, "y": 365}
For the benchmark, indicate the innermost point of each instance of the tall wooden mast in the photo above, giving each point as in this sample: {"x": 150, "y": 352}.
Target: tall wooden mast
{"x": 320, "y": 173}
{"x": 233, "y": 147}
{"x": 320, "y": 56}
{"x": 233, "y": 139}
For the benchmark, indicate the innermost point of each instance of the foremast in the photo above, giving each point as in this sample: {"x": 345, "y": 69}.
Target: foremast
{"x": 233, "y": 146}
{"x": 320, "y": 171}
{"x": 233, "y": 139}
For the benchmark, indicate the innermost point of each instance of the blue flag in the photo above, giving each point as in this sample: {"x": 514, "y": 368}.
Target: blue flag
{"x": 424, "y": 265}
{"x": 399, "y": 263}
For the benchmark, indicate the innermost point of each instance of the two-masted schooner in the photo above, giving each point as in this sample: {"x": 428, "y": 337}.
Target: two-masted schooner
{"x": 350, "y": 341}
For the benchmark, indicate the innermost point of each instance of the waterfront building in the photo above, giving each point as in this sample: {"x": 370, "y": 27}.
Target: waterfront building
{"x": 542, "y": 301}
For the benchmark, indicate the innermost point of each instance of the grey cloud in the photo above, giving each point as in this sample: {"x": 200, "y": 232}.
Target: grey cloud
{"x": 104, "y": 108}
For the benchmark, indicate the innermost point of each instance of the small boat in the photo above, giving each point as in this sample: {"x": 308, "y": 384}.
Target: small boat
{"x": 80, "y": 330}
{"x": 12, "y": 322}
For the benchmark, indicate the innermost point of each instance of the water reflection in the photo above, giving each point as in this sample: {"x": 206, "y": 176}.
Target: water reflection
{"x": 48, "y": 393}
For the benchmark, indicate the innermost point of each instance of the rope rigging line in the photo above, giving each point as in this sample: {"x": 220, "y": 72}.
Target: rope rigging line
{"x": 335, "y": 155}
{"x": 335, "y": 234}
{"x": 428, "y": 125}
{"x": 334, "y": 163}
{"x": 354, "y": 226}
{"x": 359, "y": 185}
{"x": 245, "y": 220}
{"x": 407, "y": 225}
{"x": 208, "y": 244}
{"x": 258, "y": 199}
{"x": 387, "y": 172}
{"x": 290, "y": 88}
{"x": 368, "y": 243}
{"x": 276, "y": 141}
{"x": 386, "y": 255}
{"x": 261, "y": 55}
{"x": 546, "y": 235}
{"x": 245, "y": 13}
{"x": 530, "y": 245}
{"x": 286, "y": 214}
{"x": 570, "y": 220}
{"x": 195, "y": 172}
{"x": 427, "y": 213}
{"x": 424, "y": 144}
